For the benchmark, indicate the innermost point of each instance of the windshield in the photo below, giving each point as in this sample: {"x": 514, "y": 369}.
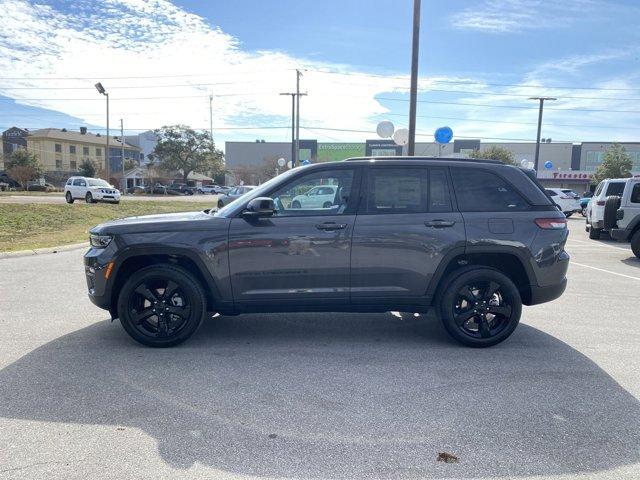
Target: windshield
{"x": 256, "y": 192}
{"x": 97, "y": 182}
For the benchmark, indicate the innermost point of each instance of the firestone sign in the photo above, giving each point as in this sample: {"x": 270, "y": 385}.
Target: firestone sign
{"x": 579, "y": 175}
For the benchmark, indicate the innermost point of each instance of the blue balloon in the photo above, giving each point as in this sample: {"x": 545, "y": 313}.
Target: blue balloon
{"x": 305, "y": 162}
{"x": 548, "y": 164}
{"x": 443, "y": 135}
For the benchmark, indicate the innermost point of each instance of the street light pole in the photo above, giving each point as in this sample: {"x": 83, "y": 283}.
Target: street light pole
{"x": 293, "y": 125}
{"x": 413, "y": 96}
{"x": 124, "y": 182}
{"x": 541, "y": 100}
{"x": 107, "y": 165}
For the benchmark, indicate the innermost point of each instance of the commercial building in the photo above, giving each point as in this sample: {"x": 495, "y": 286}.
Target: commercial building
{"x": 61, "y": 151}
{"x": 145, "y": 141}
{"x": 572, "y": 165}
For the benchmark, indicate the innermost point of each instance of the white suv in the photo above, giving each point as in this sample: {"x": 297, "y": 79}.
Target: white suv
{"x": 595, "y": 207}
{"x": 566, "y": 199}
{"x": 91, "y": 190}
{"x": 622, "y": 215}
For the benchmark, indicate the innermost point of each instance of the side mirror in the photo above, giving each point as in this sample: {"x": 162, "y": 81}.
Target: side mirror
{"x": 260, "y": 207}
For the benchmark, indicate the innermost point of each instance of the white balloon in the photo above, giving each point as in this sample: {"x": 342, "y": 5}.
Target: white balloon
{"x": 524, "y": 162}
{"x": 289, "y": 164}
{"x": 281, "y": 162}
{"x": 401, "y": 137}
{"x": 385, "y": 129}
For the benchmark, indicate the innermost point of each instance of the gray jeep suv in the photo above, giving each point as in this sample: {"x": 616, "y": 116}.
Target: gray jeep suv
{"x": 475, "y": 239}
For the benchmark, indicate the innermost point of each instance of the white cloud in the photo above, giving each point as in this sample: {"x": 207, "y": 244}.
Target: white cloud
{"x": 137, "y": 38}
{"x": 509, "y": 16}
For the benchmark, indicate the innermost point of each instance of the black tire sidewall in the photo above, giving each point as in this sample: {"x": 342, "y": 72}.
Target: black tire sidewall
{"x": 594, "y": 233}
{"x": 88, "y": 197}
{"x": 68, "y": 197}
{"x": 188, "y": 284}
{"x": 635, "y": 244}
{"x": 447, "y": 300}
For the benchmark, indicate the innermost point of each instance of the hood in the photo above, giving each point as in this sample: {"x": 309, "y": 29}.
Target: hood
{"x": 156, "y": 223}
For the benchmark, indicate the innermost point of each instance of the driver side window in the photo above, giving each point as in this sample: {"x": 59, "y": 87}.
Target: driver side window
{"x": 326, "y": 192}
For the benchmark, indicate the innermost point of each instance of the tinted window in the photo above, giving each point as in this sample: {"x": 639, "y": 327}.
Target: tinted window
{"x": 397, "y": 190}
{"x": 635, "y": 193}
{"x": 72, "y": 149}
{"x": 69, "y": 181}
{"x": 615, "y": 188}
{"x": 551, "y": 193}
{"x": 599, "y": 189}
{"x": 482, "y": 191}
{"x": 303, "y": 196}
{"x": 439, "y": 196}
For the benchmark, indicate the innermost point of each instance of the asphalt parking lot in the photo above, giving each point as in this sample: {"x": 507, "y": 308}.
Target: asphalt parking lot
{"x": 321, "y": 395}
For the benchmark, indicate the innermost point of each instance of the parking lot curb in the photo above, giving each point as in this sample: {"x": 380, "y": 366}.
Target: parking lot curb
{"x": 42, "y": 251}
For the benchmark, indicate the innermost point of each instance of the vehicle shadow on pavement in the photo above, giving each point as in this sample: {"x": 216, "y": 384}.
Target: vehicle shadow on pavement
{"x": 337, "y": 395}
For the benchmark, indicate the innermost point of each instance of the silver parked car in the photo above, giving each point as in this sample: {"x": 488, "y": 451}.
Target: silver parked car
{"x": 235, "y": 192}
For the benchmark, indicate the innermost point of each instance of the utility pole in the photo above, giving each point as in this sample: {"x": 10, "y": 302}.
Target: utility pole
{"x": 293, "y": 125}
{"x": 541, "y": 100}
{"x": 124, "y": 182}
{"x": 211, "y": 117}
{"x": 413, "y": 97}
{"x": 297, "y": 152}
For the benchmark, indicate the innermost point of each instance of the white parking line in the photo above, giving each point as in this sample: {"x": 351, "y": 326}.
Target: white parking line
{"x": 597, "y": 244}
{"x": 603, "y": 270}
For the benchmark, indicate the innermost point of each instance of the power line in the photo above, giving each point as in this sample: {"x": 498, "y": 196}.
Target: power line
{"x": 476, "y": 82}
{"x": 133, "y": 77}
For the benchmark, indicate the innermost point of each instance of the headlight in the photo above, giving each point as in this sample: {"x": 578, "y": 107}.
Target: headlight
{"x": 100, "y": 241}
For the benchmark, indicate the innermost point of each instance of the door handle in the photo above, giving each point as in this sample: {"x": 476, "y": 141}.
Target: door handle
{"x": 439, "y": 223}
{"x": 331, "y": 226}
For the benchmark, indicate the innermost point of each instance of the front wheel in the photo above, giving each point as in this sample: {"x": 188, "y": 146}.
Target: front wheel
{"x": 220, "y": 204}
{"x": 89, "y": 198}
{"x": 480, "y": 307}
{"x": 161, "y": 305}
{"x": 295, "y": 204}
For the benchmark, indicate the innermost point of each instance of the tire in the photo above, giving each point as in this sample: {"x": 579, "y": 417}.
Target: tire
{"x": 220, "y": 204}
{"x": 611, "y": 206}
{"x": 635, "y": 244}
{"x": 466, "y": 295}
{"x": 327, "y": 205}
{"x": 89, "y": 198}
{"x": 594, "y": 233}
{"x": 568, "y": 214}
{"x": 584, "y": 212}
{"x": 295, "y": 204}
{"x": 117, "y": 202}
{"x": 68, "y": 197}
{"x": 187, "y": 302}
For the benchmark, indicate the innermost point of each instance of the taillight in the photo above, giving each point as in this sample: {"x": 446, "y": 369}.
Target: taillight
{"x": 551, "y": 223}
{"x": 600, "y": 203}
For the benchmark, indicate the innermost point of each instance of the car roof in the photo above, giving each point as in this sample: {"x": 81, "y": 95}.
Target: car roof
{"x": 429, "y": 160}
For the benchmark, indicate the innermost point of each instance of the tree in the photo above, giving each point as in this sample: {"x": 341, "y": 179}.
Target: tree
{"x": 616, "y": 163}
{"x": 87, "y": 168}
{"x": 23, "y": 167}
{"x": 495, "y": 153}
{"x": 129, "y": 164}
{"x": 182, "y": 148}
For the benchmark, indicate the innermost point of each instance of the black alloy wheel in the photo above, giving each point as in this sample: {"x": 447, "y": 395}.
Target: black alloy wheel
{"x": 480, "y": 307}
{"x": 161, "y": 305}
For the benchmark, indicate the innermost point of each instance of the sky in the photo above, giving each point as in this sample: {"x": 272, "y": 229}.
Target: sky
{"x": 480, "y": 61}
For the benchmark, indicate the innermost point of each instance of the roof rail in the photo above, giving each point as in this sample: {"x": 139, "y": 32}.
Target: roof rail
{"x": 449, "y": 159}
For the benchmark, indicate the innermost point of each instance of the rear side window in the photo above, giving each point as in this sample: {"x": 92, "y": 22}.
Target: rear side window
{"x": 635, "y": 194}
{"x": 599, "y": 189}
{"x": 482, "y": 191}
{"x": 551, "y": 193}
{"x": 397, "y": 190}
{"x": 615, "y": 188}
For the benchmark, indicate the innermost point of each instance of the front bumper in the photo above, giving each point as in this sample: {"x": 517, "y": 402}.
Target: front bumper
{"x": 98, "y": 275}
{"x": 620, "y": 234}
{"x": 106, "y": 197}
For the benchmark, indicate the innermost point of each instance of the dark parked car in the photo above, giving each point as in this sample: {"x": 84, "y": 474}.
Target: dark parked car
{"x": 474, "y": 239}
{"x": 182, "y": 188}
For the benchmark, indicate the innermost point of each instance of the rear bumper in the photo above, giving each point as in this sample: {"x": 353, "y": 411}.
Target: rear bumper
{"x": 547, "y": 293}
{"x": 620, "y": 234}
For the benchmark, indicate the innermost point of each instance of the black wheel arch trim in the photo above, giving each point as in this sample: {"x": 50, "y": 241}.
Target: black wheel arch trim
{"x": 146, "y": 250}
{"x": 440, "y": 272}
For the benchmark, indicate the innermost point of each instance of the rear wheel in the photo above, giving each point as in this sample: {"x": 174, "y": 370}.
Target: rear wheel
{"x": 327, "y": 205}
{"x": 594, "y": 233}
{"x": 161, "y": 305}
{"x": 480, "y": 307}
{"x": 584, "y": 211}
{"x": 68, "y": 197}
{"x": 635, "y": 244}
